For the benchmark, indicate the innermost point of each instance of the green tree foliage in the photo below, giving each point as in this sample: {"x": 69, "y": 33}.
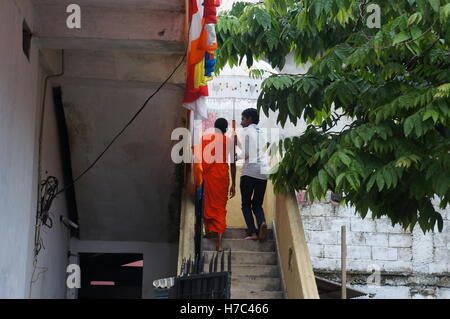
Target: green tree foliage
{"x": 392, "y": 82}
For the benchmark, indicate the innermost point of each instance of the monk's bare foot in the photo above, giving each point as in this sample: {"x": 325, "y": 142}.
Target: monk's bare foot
{"x": 252, "y": 237}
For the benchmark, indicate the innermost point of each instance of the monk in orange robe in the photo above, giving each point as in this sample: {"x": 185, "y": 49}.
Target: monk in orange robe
{"x": 217, "y": 162}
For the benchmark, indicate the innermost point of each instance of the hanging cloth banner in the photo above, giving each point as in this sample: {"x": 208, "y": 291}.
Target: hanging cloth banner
{"x": 201, "y": 55}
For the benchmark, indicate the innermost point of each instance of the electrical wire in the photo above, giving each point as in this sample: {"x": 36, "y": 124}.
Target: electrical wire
{"x": 99, "y": 157}
{"x": 49, "y": 190}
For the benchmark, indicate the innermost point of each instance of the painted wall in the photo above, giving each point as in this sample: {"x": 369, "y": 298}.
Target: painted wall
{"x": 49, "y": 276}
{"x": 20, "y": 91}
{"x": 18, "y": 96}
{"x": 130, "y": 195}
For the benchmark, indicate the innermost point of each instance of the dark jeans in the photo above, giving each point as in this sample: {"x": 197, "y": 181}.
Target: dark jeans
{"x": 252, "y": 192}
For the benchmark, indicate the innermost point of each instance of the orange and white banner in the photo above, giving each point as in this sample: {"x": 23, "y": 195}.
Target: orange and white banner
{"x": 201, "y": 55}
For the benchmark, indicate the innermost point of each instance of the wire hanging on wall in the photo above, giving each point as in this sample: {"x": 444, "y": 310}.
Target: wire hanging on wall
{"x": 48, "y": 192}
{"x": 49, "y": 189}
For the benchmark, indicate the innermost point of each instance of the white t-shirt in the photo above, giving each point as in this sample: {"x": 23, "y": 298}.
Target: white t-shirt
{"x": 251, "y": 142}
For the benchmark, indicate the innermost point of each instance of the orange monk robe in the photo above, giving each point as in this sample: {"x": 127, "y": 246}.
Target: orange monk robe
{"x": 216, "y": 150}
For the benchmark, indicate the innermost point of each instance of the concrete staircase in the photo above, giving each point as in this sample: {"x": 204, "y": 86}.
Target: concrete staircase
{"x": 254, "y": 265}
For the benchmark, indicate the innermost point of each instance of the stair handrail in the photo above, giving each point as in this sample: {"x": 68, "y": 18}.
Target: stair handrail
{"x": 293, "y": 253}
{"x": 186, "y": 244}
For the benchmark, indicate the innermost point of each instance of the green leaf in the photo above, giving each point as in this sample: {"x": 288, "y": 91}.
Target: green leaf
{"x": 291, "y": 104}
{"x": 339, "y": 179}
{"x": 323, "y": 177}
{"x": 313, "y": 159}
{"x": 315, "y": 187}
{"x": 401, "y": 37}
{"x": 352, "y": 181}
{"x": 415, "y": 18}
{"x": 408, "y": 126}
{"x": 380, "y": 182}
{"x": 272, "y": 39}
{"x": 435, "y": 4}
{"x": 344, "y": 158}
{"x": 387, "y": 178}
{"x": 323, "y": 6}
{"x": 416, "y": 32}
{"x": 371, "y": 182}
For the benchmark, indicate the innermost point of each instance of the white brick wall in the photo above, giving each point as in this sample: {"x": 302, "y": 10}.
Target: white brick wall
{"x": 373, "y": 242}
{"x": 332, "y": 251}
{"x": 325, "y": 263}
{"x": 324, "y": 237}
{"x": 405, "y": 254}
{"x": 384, "y": 253}
{"x": 396, "y": 266}
{"x": 377, "y": 240}
{"x": 316, "y": 250}
{"x": 403, "y": 292}
{"x": 384, "y": 225}
{"x": 400, "y": 240}
{"x": 362, "y": 225}
{"x": 357, "y": 238}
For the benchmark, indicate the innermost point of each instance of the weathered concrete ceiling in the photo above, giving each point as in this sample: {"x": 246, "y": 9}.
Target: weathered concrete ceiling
{"x": 124, "y": 27}
{"x": 175, "y": 5}
{"x": 123, "y": 66}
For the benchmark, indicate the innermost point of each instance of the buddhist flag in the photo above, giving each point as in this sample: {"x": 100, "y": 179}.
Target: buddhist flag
{"x": 201, "y": 55}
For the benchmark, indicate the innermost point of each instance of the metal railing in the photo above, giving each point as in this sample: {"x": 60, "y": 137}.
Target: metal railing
{"x": 199, "y": 207}
{"x": 195, "y": 283}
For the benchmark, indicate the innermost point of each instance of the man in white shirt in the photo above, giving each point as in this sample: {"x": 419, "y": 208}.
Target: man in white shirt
{"x": 253, "y": 176}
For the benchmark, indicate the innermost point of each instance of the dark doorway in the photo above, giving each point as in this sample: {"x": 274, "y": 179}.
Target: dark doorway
{"x": 111, "y": 276}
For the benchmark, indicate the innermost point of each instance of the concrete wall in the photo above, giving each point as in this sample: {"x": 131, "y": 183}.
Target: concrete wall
{"x": 20, "y": 92}
{"x": 160, "y": 259}
{"x": 49, "y": 277}
{"x": 186, "y": 243}
{"x": 129, "y": 194}
{"x": 18, "y": 95}
{"x": 411, "y": 264}
{"x": 119, "y": 25}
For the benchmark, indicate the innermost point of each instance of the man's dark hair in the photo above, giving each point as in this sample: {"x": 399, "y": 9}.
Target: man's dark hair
{"x": 221, "y": 124}
{"x": 253, "y": 114}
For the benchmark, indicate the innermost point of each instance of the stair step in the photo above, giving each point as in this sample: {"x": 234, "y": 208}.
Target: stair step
{"x": 241, "y": 233}
{"x": 250, "y": 294}
{"x": 254, "y": 265}
{"x": 255, "y": 270}
{"x": 255, "y": 283}
{"x": 247, "y": 257}
{"x": 241, "y": 245}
